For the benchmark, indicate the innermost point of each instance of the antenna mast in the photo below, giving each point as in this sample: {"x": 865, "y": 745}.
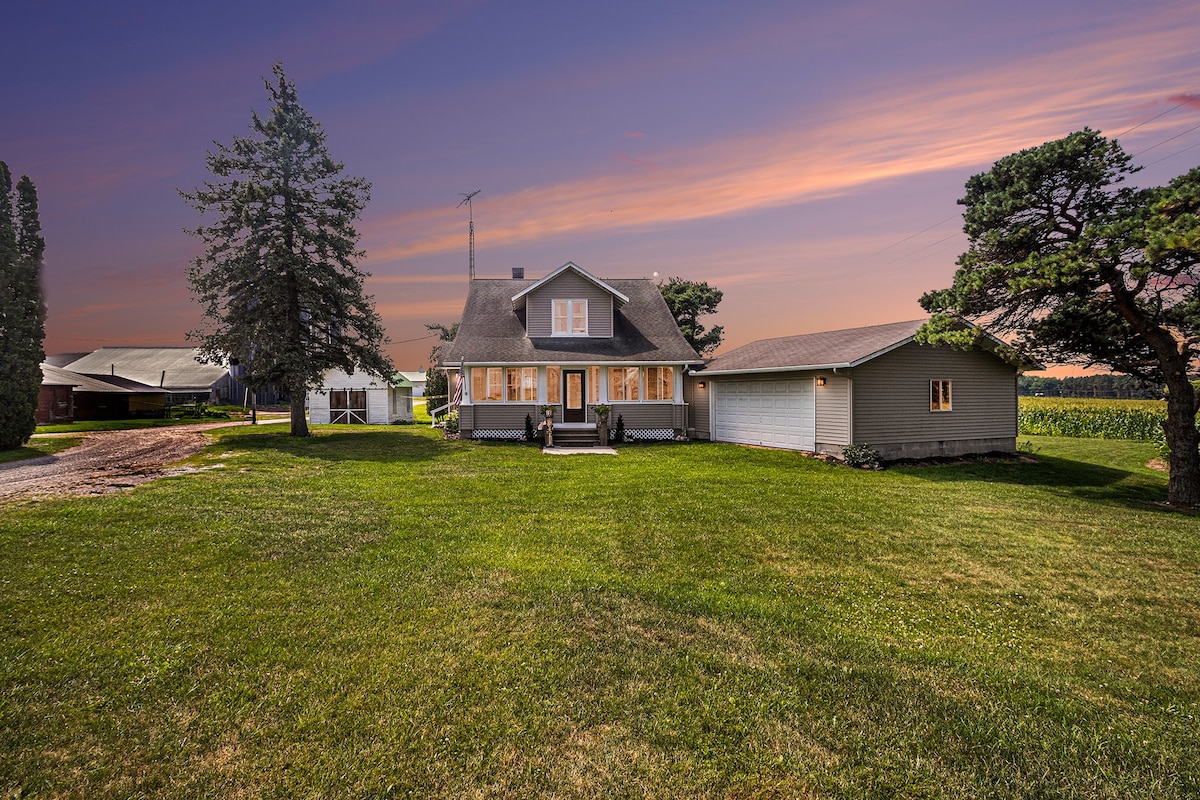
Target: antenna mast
{"x": 466, "y": 199}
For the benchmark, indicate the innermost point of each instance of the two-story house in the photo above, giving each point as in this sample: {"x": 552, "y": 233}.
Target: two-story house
{"x": 571, "y": 341}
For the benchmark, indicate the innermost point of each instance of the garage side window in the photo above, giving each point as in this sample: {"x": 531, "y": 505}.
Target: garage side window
{"x": 939, "y": 396}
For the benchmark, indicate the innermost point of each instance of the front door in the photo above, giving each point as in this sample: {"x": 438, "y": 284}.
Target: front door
{"x": 574, "y": 386}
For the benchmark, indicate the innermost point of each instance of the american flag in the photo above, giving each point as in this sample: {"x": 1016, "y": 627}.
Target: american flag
{"x": 458, "y": 390}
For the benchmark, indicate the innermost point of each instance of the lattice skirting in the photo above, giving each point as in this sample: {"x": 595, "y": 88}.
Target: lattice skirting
{"x": 646, "y": 434}
{"x": 498, "y": 433}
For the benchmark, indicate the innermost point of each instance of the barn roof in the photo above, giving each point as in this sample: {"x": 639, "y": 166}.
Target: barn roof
{"x": 171, "y": 368}
{"x": 107, "y": 384}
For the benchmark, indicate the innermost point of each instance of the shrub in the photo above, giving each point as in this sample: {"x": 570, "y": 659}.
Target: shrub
{"x": 452, "y": 423}
{"x": 861, "y": 456}
{"x": 618, "y": 434}
{"x": 530, "y": 434}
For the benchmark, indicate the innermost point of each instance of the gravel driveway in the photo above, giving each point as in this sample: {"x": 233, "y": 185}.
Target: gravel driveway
{"x": 104, "y": 462}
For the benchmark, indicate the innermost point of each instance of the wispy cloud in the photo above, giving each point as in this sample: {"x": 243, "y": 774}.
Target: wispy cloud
{"x": 960, "y": 122}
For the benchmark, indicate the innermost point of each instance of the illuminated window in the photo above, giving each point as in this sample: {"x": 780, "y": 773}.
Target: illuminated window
{"x": 623, "y": 383}
{"x": 939, "y": 396}
{"x": 660, "y": 383}
{"x": 553, "y": 385}
{"x": 487, "y": 384}
{"x": 570, "y": 317}
{"x": 593, "y": 384}
{"x": 520, "y": 384}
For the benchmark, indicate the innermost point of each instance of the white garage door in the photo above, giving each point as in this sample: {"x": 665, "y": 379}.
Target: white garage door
{"x": 768, "y": 413}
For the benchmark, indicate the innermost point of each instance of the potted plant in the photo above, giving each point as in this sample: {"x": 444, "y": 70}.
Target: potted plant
{"x": 549, "y": 411}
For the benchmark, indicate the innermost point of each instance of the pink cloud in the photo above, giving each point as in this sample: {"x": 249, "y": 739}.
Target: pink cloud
{"x": 1190, "y": 100}
{"x": 633, "y": 135}
{"x": 962, "y": 122}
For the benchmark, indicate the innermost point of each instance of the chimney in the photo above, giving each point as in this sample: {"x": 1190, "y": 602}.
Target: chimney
{"x": 518, "y": 273}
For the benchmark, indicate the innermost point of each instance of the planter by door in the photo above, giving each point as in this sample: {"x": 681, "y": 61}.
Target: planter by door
{"x": 574, "y": 392}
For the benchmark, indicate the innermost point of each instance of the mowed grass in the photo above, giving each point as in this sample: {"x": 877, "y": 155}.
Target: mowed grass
{"x": 35, "y": 448}
{"x": 382, "y": 613}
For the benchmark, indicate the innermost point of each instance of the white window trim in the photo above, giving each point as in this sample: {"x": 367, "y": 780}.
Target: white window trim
{"x": 554, "y": 315}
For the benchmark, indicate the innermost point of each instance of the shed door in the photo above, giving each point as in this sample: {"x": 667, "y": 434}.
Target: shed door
{"x": 779, "y": 413}
{"x": 348, "y": 406}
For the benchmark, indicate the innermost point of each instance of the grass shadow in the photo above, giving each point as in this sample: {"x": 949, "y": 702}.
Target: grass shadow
{"x": 1083, "y": 479}
{"x": 391, "y": 444}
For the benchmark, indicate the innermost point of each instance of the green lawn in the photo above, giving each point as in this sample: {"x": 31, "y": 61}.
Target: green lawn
{"x": 381, "y": 613}
{"x": 35, "y": 448}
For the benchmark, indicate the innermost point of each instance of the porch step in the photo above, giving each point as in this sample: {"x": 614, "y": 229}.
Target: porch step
{"x": 576, "y": 437}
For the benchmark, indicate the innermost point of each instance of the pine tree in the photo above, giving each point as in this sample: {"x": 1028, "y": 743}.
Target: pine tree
{"x": 278, "y": 281}
{"x": 22, "y": 310}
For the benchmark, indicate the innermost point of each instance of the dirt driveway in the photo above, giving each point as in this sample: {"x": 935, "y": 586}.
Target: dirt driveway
{"x": 104, "y": 462}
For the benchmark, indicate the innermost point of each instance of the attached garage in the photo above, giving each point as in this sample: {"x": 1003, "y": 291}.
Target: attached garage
{"x": 874, "y": 386}
{"x": 771, "y": 413}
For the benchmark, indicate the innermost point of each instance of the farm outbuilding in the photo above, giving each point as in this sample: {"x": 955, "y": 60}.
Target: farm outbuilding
{"x": 67, "y": 396}
{"x": 361, "y": 399}
{"x": 873, "y": 386}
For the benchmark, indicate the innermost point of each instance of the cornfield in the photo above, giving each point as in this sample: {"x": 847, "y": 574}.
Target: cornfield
{"x": 1139, "y": 420}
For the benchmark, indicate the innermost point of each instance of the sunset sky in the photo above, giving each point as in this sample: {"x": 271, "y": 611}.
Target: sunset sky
{"x": 804, "y": 157}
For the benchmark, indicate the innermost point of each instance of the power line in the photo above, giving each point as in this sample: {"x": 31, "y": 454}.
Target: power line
{"x": 1164, "y": 141}
{"x": 1172, "y": 155}
{"x": 1145, "y": 121}
{"x": 918, "y": 233}
{"x": 922, "y": 249}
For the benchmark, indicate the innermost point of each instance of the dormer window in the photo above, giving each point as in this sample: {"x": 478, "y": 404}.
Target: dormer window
{"x": 570, "y": 317}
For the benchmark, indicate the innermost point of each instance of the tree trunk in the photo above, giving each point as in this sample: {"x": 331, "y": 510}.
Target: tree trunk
{"x": 299, "y": 422}
{"x": 1183, "y": 440}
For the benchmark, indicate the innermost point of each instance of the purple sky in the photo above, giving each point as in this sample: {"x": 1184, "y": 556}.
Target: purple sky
{"x": 804, "y": 157}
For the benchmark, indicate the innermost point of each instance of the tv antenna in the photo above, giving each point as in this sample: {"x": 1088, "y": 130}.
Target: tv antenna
{"x": 466, "y": 200}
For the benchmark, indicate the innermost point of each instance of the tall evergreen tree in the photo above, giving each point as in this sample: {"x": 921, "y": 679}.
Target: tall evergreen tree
{"x": 22, "y": 309}
{"x": 1082, "y": 270}
{"x": 278, "y": 280}
{"x": 688, "y": 301}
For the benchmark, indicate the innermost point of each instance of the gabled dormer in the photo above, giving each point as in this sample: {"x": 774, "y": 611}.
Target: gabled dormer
{"x": 569, "y": 302}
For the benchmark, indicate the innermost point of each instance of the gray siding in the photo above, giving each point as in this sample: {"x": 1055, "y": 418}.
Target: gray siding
{"x": 503, "y": 416}
{"x": 891, "y": 402}
{"x": 697, "y": 400}
{"x": 539, "y": 310}
{"x": 833, "y": 413}
{"x": 647, "y": 415}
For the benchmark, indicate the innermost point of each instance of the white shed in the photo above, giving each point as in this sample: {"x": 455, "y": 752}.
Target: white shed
{"x": 360, "y": 399}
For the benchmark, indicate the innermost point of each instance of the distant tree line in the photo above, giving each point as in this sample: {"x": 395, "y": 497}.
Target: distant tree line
{"x": 1125, "y": 387}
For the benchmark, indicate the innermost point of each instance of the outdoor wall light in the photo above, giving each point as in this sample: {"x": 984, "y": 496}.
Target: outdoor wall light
{"x": 820, "y": 380}
{"x": 701, "y": 384}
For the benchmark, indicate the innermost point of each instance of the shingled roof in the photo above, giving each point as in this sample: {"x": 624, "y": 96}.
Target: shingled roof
{"x": 844, "y": 348}
{"x": 492, "y": 332}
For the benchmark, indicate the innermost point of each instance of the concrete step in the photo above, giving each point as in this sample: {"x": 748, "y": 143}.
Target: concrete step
{"x": 576, "y": 437}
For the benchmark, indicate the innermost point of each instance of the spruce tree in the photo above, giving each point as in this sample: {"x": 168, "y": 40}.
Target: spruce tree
{"x": 277, "y": 278}
{"x": 22, "y": 310}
